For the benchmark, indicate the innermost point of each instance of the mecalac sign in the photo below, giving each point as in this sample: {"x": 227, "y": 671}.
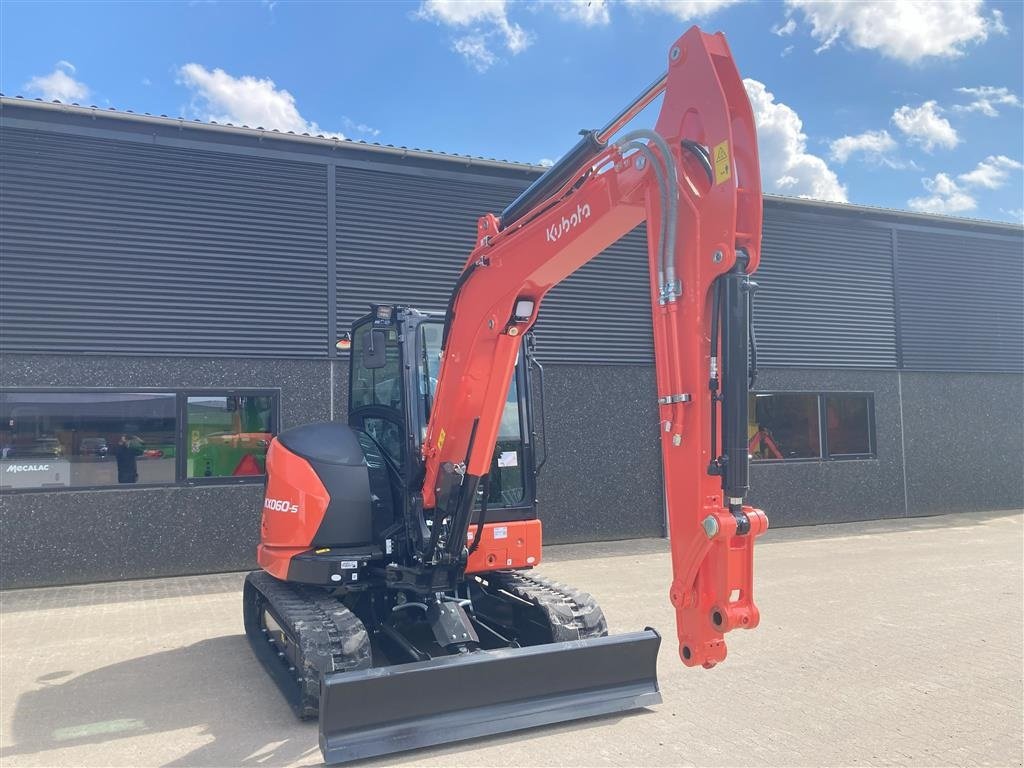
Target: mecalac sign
{"x": 34, "y": 473}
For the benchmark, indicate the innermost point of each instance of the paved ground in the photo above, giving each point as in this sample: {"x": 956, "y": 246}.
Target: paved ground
{"x": 895, "y": 643}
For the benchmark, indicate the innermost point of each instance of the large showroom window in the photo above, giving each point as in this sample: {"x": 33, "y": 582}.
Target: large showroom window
{"x": 228, "y": 435}
{"x": 85, "y": 439}
{"x": 54, "y": 439}
{"x": 788, "y": 426}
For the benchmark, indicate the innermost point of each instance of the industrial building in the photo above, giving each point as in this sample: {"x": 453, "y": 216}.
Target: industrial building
{"x": 172, "y": 294}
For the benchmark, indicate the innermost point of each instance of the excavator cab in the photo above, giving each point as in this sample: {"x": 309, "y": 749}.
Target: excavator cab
{"x": 393, "y": 373}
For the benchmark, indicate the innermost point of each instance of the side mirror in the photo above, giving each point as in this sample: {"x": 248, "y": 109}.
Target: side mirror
{"x": 374, "y": 343}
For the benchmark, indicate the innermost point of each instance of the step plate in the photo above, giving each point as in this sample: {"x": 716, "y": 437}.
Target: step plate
{"x": 391, "y": 709}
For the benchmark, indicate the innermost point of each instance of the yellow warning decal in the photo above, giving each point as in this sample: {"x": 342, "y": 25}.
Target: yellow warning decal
{"x": 723, "y": 166}
{"x": 440, "y": 440}
{"x": 323, "y": 551}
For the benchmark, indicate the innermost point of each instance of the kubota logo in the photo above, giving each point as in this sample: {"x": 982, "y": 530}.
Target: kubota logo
{"x": 280, "y": 505}
{"x": 556, "y": 230}
{"x": 28, "y": 468}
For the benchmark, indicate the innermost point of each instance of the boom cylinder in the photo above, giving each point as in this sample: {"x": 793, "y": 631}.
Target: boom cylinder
{"x": 553, "y": 178}
{"x": 735, "y": 371}
{"x": 573, "y": 161}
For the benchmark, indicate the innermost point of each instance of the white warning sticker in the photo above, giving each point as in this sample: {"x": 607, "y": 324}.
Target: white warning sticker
{"x": 508, "y": 459}
{"x": 501, "y": 532}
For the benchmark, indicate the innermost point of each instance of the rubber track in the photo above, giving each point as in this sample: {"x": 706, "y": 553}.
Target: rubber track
{"x": 572, "y": 614}
{"x": 331, "y": 638}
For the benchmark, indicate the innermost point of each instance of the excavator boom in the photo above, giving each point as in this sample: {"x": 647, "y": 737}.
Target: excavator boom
{"x": 695, "y": 181}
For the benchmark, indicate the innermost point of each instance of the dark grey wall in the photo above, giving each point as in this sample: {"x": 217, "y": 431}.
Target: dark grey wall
{"x": 803, "y": 493}
{"x": 964, "y": 441}
{"x": 603, "y": 479}
{"x": 77, "y": 537}
{"x": 69, "y": 537}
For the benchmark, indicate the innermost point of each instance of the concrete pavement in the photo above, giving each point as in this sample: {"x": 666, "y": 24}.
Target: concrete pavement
{"x": 889, "y": 643}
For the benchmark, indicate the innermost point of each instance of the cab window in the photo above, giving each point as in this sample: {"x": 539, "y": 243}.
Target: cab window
{"x": 507, "y": 481}
{"x": 376, "y": 386}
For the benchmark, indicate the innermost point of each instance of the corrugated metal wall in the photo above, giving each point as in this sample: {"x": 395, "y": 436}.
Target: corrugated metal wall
{"x": 826, "y": 297}
{"x": 129, "y": 248}
{"x": 404, "y": 238}
{"x": 139, "y": 247}
{"x": 961, "y": 302}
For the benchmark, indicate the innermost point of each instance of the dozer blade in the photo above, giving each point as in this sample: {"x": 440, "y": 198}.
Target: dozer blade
{"x": 373, "y": 712}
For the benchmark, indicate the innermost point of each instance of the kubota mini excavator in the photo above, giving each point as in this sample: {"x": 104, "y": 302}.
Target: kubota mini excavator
{"x": 397, "y": 596}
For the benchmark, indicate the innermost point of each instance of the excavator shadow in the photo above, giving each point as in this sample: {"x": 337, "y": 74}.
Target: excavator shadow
{"x": 212, "y": 690}
{"x": 210, "y": 693}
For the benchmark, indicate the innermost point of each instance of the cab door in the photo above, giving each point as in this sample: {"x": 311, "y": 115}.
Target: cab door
{"x": 376, "y": 389}
{"x": 511, "y": 482}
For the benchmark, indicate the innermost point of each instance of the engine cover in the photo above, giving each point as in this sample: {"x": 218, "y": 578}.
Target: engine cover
{"x": 318, "y": 494}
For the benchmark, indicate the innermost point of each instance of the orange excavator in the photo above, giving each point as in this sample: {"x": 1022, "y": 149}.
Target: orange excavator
{"x": 397, "y": 597}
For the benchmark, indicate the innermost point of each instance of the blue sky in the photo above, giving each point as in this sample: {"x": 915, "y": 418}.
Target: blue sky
{"x": 914, "y": 105}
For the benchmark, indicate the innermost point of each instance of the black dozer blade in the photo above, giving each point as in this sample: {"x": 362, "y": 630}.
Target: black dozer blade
{"x": 372, "y": 712}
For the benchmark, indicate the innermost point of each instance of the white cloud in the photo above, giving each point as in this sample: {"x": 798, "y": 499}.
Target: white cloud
{"x": 146, "y": 82}
{"x": 785, "y": 29}
{"x": 684, "y": 10}
{"x": 545, "y": 162}
{"x": 1017, "y": 214}
{"x": 985, "y": 98}
{"x": 991, "y": 173}
{"x": 245, "y": 100}
{"x": 925, "y": 126}
{"x": 352, "y": 125}
{"x": 483, "y": 20}
{"x": 909, "y": 30}
{"x": 871, "y": 144}
{"x": 591, "y": 13}
{"x": 786, "y": 166}
{"x": 473, "y": 48}
{"x": 58, "y": 85}
{"x": 786, "y": 51}
{"x": 945, "y": 197}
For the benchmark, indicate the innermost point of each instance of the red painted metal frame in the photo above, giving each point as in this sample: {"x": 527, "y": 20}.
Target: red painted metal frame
{"x": 705, "y": 102}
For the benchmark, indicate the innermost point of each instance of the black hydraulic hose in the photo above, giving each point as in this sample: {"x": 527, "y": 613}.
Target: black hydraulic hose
{"x": 450, "y": 314}
{"x": 701, "y": 153}
{"x": 483, "y": 515}
{"x": 543, "y": 420}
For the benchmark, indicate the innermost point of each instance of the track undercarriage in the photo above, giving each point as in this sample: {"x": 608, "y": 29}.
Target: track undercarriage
{"x": 386, "y": 673}
{"x": 301, "y": 634}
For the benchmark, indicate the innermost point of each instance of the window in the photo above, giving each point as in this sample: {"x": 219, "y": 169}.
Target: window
{"x": 84, "y": 439}
{"x": 506, "y": 481}
{"x": 376, "y": 386}
{"x": 848, "y": 425}
{"x": 506, "y": 478}
{"x": 97, "y": 438}
{"x": 784, "y": 427}
{"x": 228, "y": 435}
{"x": 802, "y": 426}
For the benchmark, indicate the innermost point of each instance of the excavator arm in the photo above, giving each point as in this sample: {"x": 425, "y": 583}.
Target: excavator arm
{"x": 695, "y": 181}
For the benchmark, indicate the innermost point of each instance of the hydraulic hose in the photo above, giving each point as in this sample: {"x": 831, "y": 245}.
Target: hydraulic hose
{"x": 659, "y": 173}
{"x": 669, "y": 220}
